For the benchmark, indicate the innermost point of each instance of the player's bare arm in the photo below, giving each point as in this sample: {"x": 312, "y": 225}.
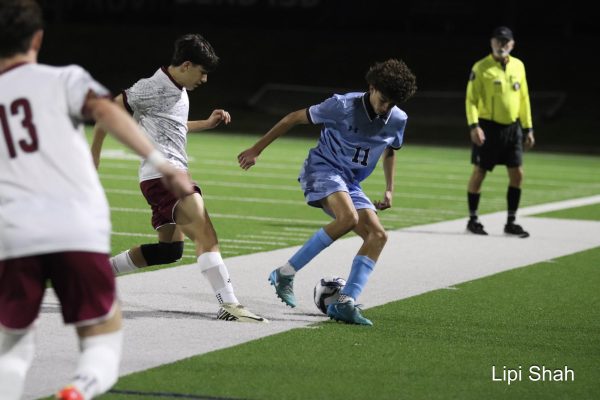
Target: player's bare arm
{"x": 217, "y": 117}
{"x": 247, "y": 158}
{"x": 112, "y": 118}
{"x": 99, "y": 134}
{"x": 389, "y": 171}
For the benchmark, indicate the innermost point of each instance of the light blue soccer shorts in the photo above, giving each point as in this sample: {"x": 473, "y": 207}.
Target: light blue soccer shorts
{"x": 320, "y": 184}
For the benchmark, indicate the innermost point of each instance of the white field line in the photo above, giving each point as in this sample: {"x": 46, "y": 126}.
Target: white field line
{"x": 439, "y": 182}
{"x": 265, "y": 237}
{"x": 409, "y": 165}
{"x": 292, "y": 229}
{"x": 239, "y": 199}
{"x": 532, "y": 192}
{"x": 136, "y": 234}
{"x": 223, "y": 252}
{"x": 285, "y": 202}
{"x": 233, "y": 216}
{"x": 398, "y": 194}
{"x": 291, "y": 235}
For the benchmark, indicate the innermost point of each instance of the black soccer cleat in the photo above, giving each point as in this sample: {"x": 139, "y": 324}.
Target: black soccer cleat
{"x": 475, "y": 227}
{"x": 515, "y": 230}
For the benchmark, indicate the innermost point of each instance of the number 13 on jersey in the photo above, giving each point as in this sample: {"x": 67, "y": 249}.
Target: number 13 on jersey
{"x": 22, "y": 107}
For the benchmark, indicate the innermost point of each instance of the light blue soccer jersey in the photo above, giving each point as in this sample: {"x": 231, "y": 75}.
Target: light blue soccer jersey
{"x": 352, "y": 140}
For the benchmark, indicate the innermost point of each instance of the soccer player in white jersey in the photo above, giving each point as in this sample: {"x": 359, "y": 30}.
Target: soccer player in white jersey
{"x": 54, "y": 217}
{"x": 358, "y": 128}
{"x": 160, "y": 104}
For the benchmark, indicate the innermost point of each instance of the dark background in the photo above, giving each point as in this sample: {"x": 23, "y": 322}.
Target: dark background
{"x": 330, "y": 45}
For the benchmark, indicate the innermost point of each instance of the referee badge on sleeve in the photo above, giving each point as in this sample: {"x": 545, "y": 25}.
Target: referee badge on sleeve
{"x": 516, "y": 86}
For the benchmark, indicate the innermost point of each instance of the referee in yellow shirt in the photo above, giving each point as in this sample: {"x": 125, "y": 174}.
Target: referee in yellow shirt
{"x": 499, "y": 115}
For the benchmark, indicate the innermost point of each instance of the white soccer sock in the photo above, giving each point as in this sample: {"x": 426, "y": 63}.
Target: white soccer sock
{"x": 122, "y": 263}
{"x": 214, "y": 270}
{"x": 287, "y": 269}
{"x": 16, "y": 354}
{"x": 98, "y": 367}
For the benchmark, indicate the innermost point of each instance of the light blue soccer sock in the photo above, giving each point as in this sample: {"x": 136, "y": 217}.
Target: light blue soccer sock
{"x": 362, "y": 266}
{"x": 313, "y": 246}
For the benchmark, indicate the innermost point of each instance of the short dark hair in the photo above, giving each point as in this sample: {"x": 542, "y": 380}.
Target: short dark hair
{"x": 19, "y": 20}
{"x": 194, "y": 48}
{"x": 393, "y": 79}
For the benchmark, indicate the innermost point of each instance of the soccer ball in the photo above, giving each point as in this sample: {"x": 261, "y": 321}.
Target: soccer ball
{"x": 327, "y": 291}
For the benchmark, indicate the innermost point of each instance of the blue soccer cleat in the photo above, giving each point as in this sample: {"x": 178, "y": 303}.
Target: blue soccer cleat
{"x": 348, "y": 313}
{"x": 284, "y": 287}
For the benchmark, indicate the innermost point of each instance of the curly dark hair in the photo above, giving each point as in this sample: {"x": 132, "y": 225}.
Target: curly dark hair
{"x": 393, "y": 79}
{"x": 19, "y": 20}
{"x": 194, "y": 48}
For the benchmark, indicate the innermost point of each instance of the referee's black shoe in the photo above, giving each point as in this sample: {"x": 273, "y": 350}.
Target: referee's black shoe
{"x": 515, "y": 230}
{"x": 475, "y": 227}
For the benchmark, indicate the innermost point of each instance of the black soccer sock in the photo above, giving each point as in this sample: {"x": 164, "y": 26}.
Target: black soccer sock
{"x": 473, "y": 199}
{"x": 513, "y": 196}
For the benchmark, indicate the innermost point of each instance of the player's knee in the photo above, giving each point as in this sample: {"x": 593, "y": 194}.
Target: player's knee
{"x": 348, "y": 220}
{"x": 162, "y": 253}
{"x": 516, "y": 179}
{"x": 379, "y": 237}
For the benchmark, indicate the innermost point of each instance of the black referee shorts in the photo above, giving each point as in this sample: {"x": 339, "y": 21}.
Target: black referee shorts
{"x": 503, "y": 145}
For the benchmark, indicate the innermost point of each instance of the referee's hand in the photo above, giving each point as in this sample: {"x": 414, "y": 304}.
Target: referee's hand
{"x": 477, "y": 136}
{"x": 529, "y": 140}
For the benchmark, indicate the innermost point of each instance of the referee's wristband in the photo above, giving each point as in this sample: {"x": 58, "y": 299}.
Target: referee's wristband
{"x": 156, "y": 159}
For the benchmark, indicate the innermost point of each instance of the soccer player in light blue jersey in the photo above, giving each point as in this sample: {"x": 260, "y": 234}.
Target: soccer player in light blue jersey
{"x": 357, "y": 129}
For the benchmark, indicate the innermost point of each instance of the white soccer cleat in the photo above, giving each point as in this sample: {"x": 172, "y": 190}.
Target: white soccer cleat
{"x": 237, "y": 312}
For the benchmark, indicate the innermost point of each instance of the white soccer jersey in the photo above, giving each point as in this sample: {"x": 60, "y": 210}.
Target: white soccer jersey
{"x": 51, "y": 199}
{"x": 161, "y": 106}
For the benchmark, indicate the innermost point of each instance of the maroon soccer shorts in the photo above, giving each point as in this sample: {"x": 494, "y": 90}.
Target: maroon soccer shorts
{"x": 162, "y": 201}
{"x": 83, "y": 281}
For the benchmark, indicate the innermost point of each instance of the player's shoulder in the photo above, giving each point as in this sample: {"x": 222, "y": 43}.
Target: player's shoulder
{"x": 57, "y": 71}
{"x": 348, "y": 101}
{"x": 398, "y": 114}
{"x": 349, "y": 96}
{"x": 157, "y": 79}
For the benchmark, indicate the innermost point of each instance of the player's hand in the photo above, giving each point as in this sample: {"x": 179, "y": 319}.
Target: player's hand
{"x": 247, "y": 158}
{"x": 176, "y": 180}
{"x": 217, "y": 117}
{"x": 529, "y": 141}
{"x": 386, "y": 202}
{"x": 477, "y": 136}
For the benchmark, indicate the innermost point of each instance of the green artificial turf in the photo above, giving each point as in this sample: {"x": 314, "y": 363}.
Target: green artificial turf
{"x": 439, "y": 345}
{"x": 591, "y": 212}
{"x": 263, "y": 209}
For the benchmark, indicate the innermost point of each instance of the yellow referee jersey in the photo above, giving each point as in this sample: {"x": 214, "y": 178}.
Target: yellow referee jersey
{"x": 498, "y": 94}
